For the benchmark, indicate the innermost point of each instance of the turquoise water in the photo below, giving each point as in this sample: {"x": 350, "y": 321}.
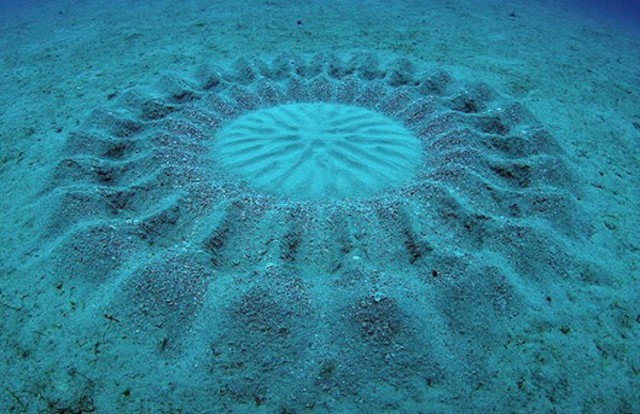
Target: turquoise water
{"x": 413, "y": 207}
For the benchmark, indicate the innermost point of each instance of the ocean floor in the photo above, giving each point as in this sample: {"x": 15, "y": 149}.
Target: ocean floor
{"x": 332, "y": 206}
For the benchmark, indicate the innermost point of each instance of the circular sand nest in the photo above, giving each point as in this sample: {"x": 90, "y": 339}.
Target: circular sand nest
{"x": 296, "y": 159}
{"x": 270, "y": 199}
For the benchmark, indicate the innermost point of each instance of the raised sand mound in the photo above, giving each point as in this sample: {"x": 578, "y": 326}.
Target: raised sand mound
{"x": 325, "y": 226}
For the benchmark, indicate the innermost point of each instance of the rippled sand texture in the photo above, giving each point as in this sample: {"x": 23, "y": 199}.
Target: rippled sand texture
{"x": 315, "y": 226}
{"x": 318, "y": 151}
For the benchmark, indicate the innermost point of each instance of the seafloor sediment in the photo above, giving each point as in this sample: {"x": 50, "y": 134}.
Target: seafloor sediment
{"x": 244, "y": 295}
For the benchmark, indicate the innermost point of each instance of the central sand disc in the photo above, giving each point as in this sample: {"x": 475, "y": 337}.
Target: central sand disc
{"x": 318, "y": 150}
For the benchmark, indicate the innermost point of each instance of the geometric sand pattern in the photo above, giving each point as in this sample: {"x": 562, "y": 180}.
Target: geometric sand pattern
{"x": 313, "y": 215}
{"x": 171, "y": 163}
{"x": 318, "y": 150}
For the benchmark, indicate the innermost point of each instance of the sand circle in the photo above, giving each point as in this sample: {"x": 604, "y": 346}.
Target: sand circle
{"x": 318, "y": 150}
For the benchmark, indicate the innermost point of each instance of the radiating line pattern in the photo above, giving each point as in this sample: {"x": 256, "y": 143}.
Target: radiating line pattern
{"x": 318, "y": 150}
{"x": 329, "y": 210}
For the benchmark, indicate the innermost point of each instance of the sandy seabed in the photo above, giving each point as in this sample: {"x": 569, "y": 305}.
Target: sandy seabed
{"x": 152, "y": 287}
